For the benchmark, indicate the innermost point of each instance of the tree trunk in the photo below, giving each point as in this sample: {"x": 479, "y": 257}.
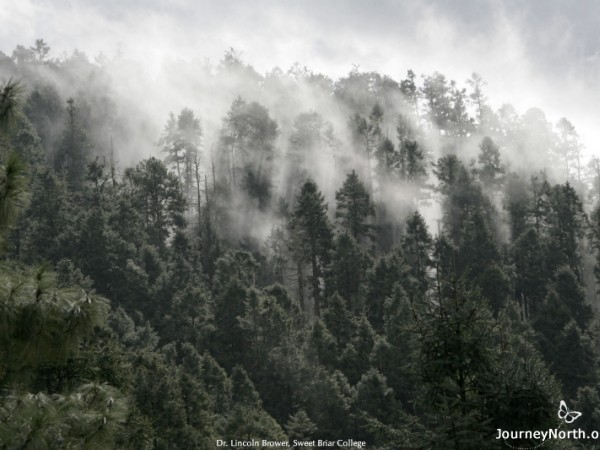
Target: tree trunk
{"x": 315, "y": 285}
{"x": 301, "y": 286}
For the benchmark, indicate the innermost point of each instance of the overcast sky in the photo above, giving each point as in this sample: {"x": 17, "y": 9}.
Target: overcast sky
{"x": 542, "y": 53}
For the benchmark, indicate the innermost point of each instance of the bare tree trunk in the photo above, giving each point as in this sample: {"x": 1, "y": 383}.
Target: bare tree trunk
{"x": 198, "y": 193}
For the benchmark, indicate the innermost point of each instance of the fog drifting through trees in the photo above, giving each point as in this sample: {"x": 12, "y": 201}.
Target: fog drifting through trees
{"x": 216, "y": 253}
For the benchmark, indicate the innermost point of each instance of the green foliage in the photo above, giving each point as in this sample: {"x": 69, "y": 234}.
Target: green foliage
{"x": 93, "y": 416}
{"x": 44, "y": 108}
{"x": 489, "y": 160}
{"x": 44, "y": 328}
{"x": 417, "y": 246}
{"x": 41, "y": 323}
{"x": 385, "y": 333}
{"x": 311, "y": 236}
{"x": 13, "y": 191}
{"x": 463, "y": 360}
{"x": 300, "y": 427}
{"x": 388, "y": 272}
{"x": 349, "y": 266}
{"x": 75, "y": 149}
{"x": 247, "y": 141}
{"x": 181, "y": 140}
{"x": 9, "y": 102}
{"x": 157, "y": 194}
{"x": 354, "y": 207}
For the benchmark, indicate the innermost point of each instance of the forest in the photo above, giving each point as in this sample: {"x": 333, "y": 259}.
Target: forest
{"x": 210, "y": 253}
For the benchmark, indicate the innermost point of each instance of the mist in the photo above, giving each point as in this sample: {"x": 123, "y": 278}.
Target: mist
{"x": 366, "y": 222}
{"x": 542, "y": 54}
{"x": 129, "y": 67}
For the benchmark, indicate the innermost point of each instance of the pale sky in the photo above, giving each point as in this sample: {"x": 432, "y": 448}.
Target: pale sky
{"x": 542, "y": 53}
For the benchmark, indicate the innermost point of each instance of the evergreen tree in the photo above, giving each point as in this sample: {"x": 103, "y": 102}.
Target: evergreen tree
{"x": 408, "y": 87}
{"x": 353, "y": 207}
{"x": 367, "y": 134}
{"x": 462, "y": 363}
{"x": 13, "y": 193}
{"x": 156, "y": 194}
{"x": 300, "y": 427}
{"x": 44, "y": 109}
{"x": 349, "y": 265}
{"x": 75, "y": 148}
{"x": 489, "y": 160}
{"x": 43, "y": 328}
{"x": 566, "y": 222}
{"x": 436, "y": 94}
{"x": 181, "y": 140}
{"x": 312, "y": 236}
{"x": 308, "y": 136}
{"x": 517, "y": 201}
{"x": 568, "y": 150}
{"x": 388, "y": 272}
{"x": 417, "y": 246}
{"x": 595, "y": 236}
{"x": 413, "y": 159}
{"x": 387, "y": 159}
{"x": 9, "y": 102}
{"x": 477, "y": 96}
{"x": 247, "y": 140}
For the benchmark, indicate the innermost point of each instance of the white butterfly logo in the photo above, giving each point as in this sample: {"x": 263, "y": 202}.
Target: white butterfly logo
{"x": 566, "y": 414}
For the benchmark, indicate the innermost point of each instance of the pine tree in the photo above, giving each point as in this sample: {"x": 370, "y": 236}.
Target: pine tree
{"x": 181, "y": 141}
{"x": 387, "y": 159}
{"x": 566, "y": 222}
{"x": 9, "y": 102}
{"x": 354, "y": 207}
{"x": 417, "y": 246}
{"x": 308, "y": 136}
{"x": 75, "y": 148}
{"x": 595, "y": 237}
{"x": 300, "y": 427}
{"x": 312, "y": 236}
{"x": 349, "y": 265}
{"x": 467, "y": 366}
{"x": 157, "y": 194}
{"x": 414, "y": 161}
{"x": 408, "y": 87}
{"x": 477, "y": 97}
{"x": 13, "y": 193}
{"x": 489, "y": 159}
{"x": 436, "y": 93}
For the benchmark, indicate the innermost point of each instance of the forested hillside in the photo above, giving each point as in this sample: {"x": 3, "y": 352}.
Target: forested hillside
{"x": 212, "y": 253}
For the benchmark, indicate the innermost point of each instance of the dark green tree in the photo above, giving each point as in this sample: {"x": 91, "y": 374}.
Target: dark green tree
{"x": 312, "y": 236}
{"x": 354, "y": 207}
{"x": 491, "y": 170}
{"x": 157, "y": 195}
{"x": 9, "y": 102}
{"x": 417, "y": 245}
{"x": 75, "y": 148}
{"x": 181, "y": 140}
{"x": 349, "y": 266}
{"x": 436, "y": 95}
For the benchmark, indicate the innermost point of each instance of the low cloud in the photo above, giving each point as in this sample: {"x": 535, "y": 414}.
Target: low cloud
{"x": 542, "y": 54}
